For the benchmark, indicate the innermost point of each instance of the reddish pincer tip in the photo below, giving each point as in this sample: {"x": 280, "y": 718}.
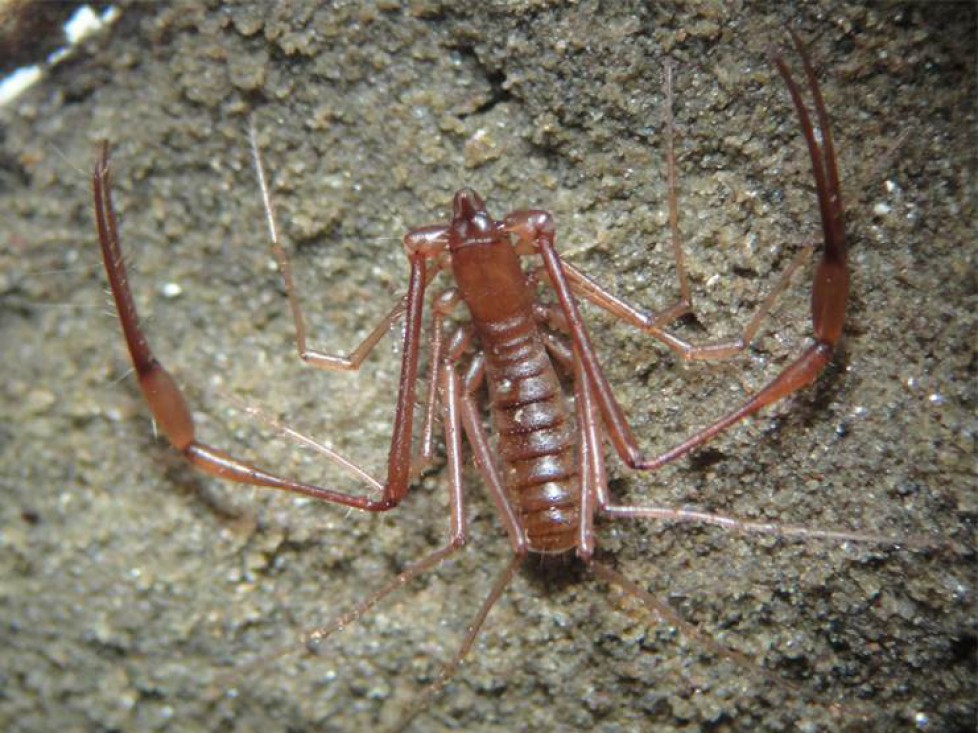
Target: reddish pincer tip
{"x": 471, "y": 223}
{"x": 467, "y": 204}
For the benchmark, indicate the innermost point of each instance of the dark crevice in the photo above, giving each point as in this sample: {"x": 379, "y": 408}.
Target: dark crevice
{"x": 495, "y": 77}
{"x": 499, "y": 94}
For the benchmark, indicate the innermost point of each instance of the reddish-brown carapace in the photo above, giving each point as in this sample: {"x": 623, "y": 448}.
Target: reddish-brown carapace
{"x": 542, "y": 458}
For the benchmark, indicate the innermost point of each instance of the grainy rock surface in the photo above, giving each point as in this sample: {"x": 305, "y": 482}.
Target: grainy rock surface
{"x": 130, "y": 586}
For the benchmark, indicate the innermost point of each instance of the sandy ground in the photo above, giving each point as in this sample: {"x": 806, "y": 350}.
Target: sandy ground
{"x": 129, "y": 584}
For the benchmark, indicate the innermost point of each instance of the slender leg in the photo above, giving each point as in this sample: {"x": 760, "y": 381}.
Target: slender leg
{"x": 747, "y": 526}
{"x": 588, "y": 419}
{"x": 483, "y": 456}
{"x": 828, "y": 298}
{"x": 169, "y": 407}
{"x": 312, "y": 638}
{"x": 654, "y": 323}
{"x": 685, "y": 302}
{"x": 443, "y": 305}
{"x": 471, "y": 634}
{"x": 319, "y": 359}
{"x": 456, "y": 540}
{"x": 667, "y": 615}
{"x": 590, "y": 458}
{"x": 849, "y": 711}
{"x": 590, "y": 461}
{"x": 449, "y": 384}
{"x": 463, "y": 405}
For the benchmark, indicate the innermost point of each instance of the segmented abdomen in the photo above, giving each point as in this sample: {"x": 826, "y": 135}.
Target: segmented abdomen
{"x": 535, "y": 438}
